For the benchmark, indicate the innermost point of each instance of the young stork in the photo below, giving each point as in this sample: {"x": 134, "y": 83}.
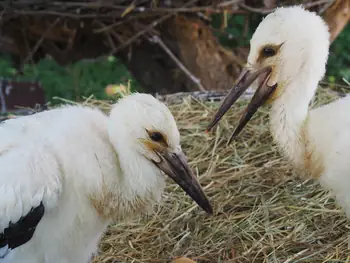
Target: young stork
{"x": 287, "y": 59}
{"x": 69, "y": 172}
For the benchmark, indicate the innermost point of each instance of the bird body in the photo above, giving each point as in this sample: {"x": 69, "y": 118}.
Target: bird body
{"x": 44, "y": 168}
{"x": 321, "y": 147}
{"x": 318, "y": 139}
{"x": 287, "y": 59}
{"x": 83, "y": 170}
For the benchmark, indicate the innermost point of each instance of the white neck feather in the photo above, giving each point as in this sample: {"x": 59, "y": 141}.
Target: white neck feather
{"x": 136, "y": 186}
{"x": 140, "y": 178}
{"x": 289, "y": 114}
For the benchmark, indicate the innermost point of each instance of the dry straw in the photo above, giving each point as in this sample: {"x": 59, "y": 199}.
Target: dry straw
{"x": 263, "y": 211}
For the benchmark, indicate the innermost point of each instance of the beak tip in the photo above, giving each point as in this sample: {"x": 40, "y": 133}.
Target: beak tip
{"x": 233, "y": 138}
{"x": 208, "y": 209}
{"x": 209, "y": 127}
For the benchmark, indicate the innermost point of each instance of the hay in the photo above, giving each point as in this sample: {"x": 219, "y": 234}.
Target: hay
{"x": 263, "y": 212}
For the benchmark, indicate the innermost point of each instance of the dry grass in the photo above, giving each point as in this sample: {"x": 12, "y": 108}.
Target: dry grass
{"x": 263, "y": 212}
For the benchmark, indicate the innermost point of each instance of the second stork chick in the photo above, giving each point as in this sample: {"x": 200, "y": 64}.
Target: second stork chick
{"x": 287, "y": 59}
{"x": 67, "y": 173}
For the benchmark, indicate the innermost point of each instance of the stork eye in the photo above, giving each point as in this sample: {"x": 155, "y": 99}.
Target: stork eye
{"x": 268, "y": 51}
{"x": 156, "y": 136}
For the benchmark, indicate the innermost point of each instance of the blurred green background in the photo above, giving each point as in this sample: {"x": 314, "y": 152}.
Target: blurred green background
{"x": 83, "y": 79}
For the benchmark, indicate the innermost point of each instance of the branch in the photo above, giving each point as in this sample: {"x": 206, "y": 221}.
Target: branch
{"x": 197, "y": 81}
{"x": 38, "y": 43}
{"x": 265, "y": 11}
{"x": 148, "y": 28}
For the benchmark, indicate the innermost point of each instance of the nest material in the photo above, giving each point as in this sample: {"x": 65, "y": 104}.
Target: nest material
{"x": 263, "y": 211}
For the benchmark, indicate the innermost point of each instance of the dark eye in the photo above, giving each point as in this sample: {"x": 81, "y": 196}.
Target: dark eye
{"x": 156, "y": 136}
{"x": 268, "y": 52}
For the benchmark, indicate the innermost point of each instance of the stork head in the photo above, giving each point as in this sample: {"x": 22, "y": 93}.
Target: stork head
{"x": 288, "y": 45}
{"x": 145, "y": 135}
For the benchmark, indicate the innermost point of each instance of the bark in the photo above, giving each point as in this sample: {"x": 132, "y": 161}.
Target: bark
{"x": 193, "y": 43}
{"x": 337, "y": 17}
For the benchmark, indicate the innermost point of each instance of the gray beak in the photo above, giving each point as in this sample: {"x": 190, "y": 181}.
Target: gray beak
{"x": 176, "y": 167}
{"x": 263, "y": 92}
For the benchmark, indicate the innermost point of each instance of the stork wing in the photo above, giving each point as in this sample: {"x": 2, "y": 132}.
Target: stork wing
{"x": 30, "y": 184}
{"x": 13, "y": 131}
{"x": 20, "y": 232}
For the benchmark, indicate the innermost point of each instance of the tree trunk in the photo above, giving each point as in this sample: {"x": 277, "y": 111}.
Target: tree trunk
{"x": 193, "y": 43}
{"x": 152, "y": 68}
{"x": 337, "y": 17}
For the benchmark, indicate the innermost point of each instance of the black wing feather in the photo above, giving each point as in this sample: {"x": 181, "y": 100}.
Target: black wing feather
{"x": 19, "y": 233}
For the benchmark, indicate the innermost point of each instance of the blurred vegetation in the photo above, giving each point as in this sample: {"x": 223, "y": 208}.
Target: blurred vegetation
{"x": 87, "y": 78}
{"x": 339, "y": 58}
{"x": 73, "y": 82}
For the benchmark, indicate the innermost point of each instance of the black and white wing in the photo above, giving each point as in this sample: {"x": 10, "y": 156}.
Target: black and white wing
{"x": 30, "y": 184}
{"x": 20, "y": 232}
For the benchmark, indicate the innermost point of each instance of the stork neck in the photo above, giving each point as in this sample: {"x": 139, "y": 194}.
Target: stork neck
{"x": 288, "y": 117}
{"x": 129, "y": 189}
{"x": 138, "y": 183}
{"x": 141, "y": 179}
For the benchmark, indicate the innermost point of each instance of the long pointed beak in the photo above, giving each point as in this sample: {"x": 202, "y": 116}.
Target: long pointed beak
{"x": 263, "y": 92}
{"x": 177, "y": 168}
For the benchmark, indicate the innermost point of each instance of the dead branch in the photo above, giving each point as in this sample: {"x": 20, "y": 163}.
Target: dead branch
{"x": 197, "y": 81}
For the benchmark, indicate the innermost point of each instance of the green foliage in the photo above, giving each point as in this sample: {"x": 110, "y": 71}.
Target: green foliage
{"x": 76, "y": 81}
{"x": 235, "y": 35}
{"x": 339, "y": 58}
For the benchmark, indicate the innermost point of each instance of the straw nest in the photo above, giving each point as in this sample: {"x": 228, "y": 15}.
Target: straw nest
{"x": 264, "y": 212}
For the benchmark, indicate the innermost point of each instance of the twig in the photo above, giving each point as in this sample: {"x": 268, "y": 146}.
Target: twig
{"x": 263, "y": 11}
{"x": 148, "y": 28}
{"x": 64, "y": 14}
{"x": 326, "y": 6}
{"x": 132, "y": 8}
{"x": 38, "y": 43}
{"x": 209, "y": 96}
{"x": 141, "y": 33}
{"x": 316, "y": 3}
{"x": 204, "y": 96}
{"x": 228, "y": 3}
{"x": 109, "y": 34}
{"x": 197, "y": 81}
{"x": 296, "y": 255}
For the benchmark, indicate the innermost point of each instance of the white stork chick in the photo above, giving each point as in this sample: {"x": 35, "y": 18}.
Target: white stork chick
{"x": 288, "y": 55}
{"x": 67, "y": 173}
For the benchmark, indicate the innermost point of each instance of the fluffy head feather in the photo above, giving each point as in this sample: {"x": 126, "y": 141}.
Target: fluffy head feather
{"x": 300, "y": 40}
{"x": 136, "y": 114}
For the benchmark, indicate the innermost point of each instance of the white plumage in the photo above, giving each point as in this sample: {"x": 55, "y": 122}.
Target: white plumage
{"x": 288, "y": 55}
{"x": 87, "y": 170}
